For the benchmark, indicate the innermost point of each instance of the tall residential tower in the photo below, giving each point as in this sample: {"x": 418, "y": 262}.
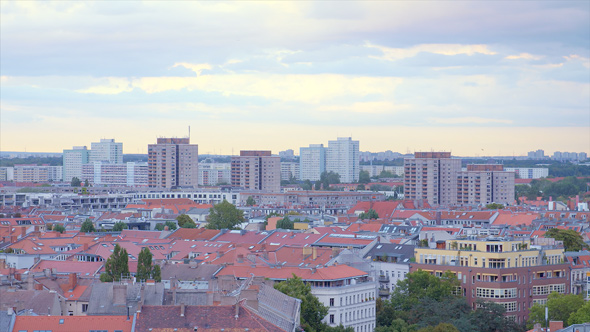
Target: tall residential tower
{"x": 256, "y": 170}
{"x": 173, "y": 163}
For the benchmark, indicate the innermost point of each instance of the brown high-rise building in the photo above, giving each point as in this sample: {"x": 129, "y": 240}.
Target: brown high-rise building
{"x": 485, "y": 184}
{"x": 173, "y": 163}
{"x": 431, "y": 176}
{"x": 256, "y": 170}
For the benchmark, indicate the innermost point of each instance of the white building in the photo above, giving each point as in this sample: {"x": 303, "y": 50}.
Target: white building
{"x": 342, "y": 157}
{"x": 391, "y": 262}
{"x": 35, "y": 173}
{"x": 529, "y": 172}
{"x": 72, "y": 162}
{"x": 289, "y": 170}
{"x": 375, "y": 170}
{"x": 312, "y": 162}
{"x": 106, "y": 174}
{"x": 211, "y": 174}
{"x": 106, "y": 150}
{"x": 6, "y": 173}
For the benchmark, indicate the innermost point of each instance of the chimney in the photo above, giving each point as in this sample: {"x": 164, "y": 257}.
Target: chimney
{"x": 315, "y": 253}
{"x": 237, "y": 311}
{"x": 23, "y": 232}
{"x": 72, "y": 281}
{"x": 166, "y": 228}
{"x": 182, "y": 308}
{"x": 85, "y": 247}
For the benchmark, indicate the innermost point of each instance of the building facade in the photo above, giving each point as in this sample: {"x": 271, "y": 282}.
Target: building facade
{"x": 256, "y": 170}
{"x": 130, "y": 174}
{"x": 289, "y": 170}
{"x": 72, "y": 162}
{"x": 485, "y": 184}
{"x": 312, "y": 162}
{"x": 106, "y": 150}
{"x": 513, "y": 274}
{"x": 212, "y": 174}
{"x": 431, "y": 176}
{"x": 529, "y": 172}
{"x": 342, "y": 157}
{"x": 35, "y": 173}
{"x": 173, "y": 163}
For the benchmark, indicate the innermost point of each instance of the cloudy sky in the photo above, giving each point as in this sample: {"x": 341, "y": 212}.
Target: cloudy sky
{"x": 471, "y": 77}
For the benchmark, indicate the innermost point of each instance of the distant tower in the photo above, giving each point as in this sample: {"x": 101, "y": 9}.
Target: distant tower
{"x": 173, "y": 163}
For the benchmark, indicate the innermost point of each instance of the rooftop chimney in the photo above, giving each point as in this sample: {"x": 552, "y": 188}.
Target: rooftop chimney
{"x": 182, "y": 308}
{"x": 72, "y": 281}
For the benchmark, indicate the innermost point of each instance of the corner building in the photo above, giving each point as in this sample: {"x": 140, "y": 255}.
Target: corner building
{"x": 509, "y": 273}
{"x": 173, "y": 163}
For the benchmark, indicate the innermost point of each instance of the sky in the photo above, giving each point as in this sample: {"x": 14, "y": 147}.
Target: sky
{"x": 477, "y": 78}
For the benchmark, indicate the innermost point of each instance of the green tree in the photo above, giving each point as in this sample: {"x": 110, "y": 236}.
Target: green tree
{"x": 184, "y": 221}
{"x": 86, "y": 183}
{"x": 145, "y": 269}
{"x": 386, "y": 174}
{"x": 306, "y": 185}
{"x": 396, "y": 325}
{"x": 250, "y": 201}
{"x": 87, "y": 226}
{"x": 581, "y": 316}
{"x": 224, "y": 216}
{"x": 364, "y": 177}
{"x": 442, "y": 327}
{"x": 312, "y": 310}
{"x": 119, "y": 226}
{"x": 75, "y": 182}
{"x": 494, "y": 206}
{"x": 360, "y": 187}
{"x": 561, "y": 307}
{"x": 59, "y": 228}
{"x": 371, "y": 214}
{"x": 171, "y": 226}
{"x": 116, "y": 266}
{"x": 572, "y": 240}
{"x": 285, "y": 223}
{"x": 328, "y": 178}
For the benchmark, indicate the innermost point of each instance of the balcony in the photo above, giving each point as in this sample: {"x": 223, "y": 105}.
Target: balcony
{"x": 384, "y": 292}
{"x": 384, "y": 279}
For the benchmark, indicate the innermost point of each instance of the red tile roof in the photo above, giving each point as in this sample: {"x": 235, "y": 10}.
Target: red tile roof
{"x": 73, "y": 323}
{"x": 515, "y": 218}
{"x": 335, "y": 272}
{"x": 194, "y": 234}
{"x": 383, "y": 209}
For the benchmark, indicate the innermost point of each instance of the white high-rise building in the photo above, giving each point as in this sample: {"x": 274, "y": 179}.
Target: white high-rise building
{"x": 312, "y": 162}
{"x": 342, "y": 157}
{"x": 72, "y": 162}
{"x": 106, "y": 150}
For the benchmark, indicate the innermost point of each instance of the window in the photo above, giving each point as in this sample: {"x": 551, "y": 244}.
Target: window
{"x": 84, "y": 307}
{"x": 331, "y": 302}
{"x": 331, "y": 319}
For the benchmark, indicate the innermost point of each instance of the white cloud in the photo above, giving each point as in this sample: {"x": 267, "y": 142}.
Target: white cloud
{"x": 393, "y": 54}
{"x": 525, "y": 56}
{"x": 470, "y": 120}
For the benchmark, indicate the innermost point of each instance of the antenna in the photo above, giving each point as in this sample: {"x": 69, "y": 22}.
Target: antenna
{"x": 189, "y": 133}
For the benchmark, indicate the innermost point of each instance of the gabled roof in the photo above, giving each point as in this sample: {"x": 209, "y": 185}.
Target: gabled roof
{"x": 292, "y": 238}
{"x": 72, "y": 323}
{"x": 383, "y": 209}
{"x": 81, "y": 268}
{"x": 207, "y": 318}
{"x": 238, "y": 236}
{"x": 202, "y": 234}
{"x": 515, "y": 218}
{"x": 329, "y": 273}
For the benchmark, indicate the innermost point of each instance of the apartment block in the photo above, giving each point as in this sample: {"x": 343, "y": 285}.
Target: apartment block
{"x": 212, "y": 174}
{"x": 289, "y": 170}
{"x": 529, "y": 172}
{"x": 342, "y": 157}
{"x": 130, "y": 174}
{"x": 72, "y": 162}
{"x": 35, "y": 173}
{"x": 511, "y": 273}
{"x": 173, "y": 163}
{"x": 6, "y": 173}
{"x": 106, "y": 150}
{"x": 431, "y": 176}
{"x": 485, "y": 184}
{"x": 256, "y": 170}
{"x": 375, "y": 170}
{"x": 312, "y": 162}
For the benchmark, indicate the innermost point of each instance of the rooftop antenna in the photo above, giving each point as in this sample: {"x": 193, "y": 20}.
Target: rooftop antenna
{"x": 189, "y": 133}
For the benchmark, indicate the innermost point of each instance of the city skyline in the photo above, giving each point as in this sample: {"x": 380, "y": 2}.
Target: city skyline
{"x": 400, "y": 76}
